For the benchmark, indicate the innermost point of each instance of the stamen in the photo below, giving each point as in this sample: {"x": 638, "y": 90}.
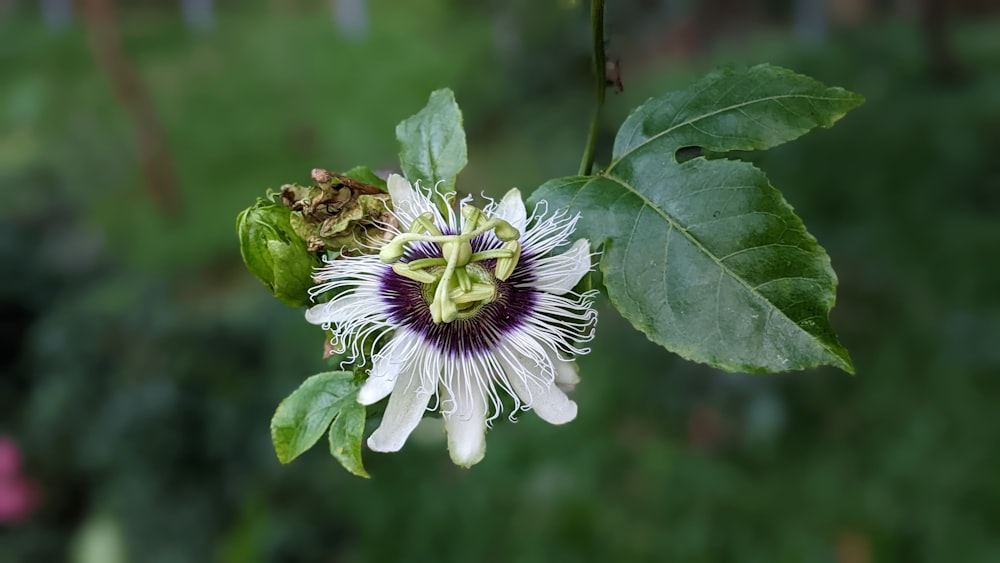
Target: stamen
{"x": 464, "y": 283}
{"x": 456, "y": 291}
{"x": 505, "y": 265}
{"x": 416, "y": 274}
{"x": 425, "y": 224}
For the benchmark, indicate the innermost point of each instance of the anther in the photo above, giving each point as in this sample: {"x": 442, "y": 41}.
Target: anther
{"x": 505, "y": 231}
{"x": 424, "y": 223}
{"x": 393, "y": 251}
{"x": 505, "y": 265}
{"x": 422, "y": 276}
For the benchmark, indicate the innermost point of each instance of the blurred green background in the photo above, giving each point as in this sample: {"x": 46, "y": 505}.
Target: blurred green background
{"x": 141, "y": 363}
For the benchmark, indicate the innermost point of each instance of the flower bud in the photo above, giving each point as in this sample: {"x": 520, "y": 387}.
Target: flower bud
{"x": 274, "y": 253}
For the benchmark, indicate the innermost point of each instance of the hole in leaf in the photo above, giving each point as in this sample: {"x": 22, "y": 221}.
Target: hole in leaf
{"x": 685, "y": 154}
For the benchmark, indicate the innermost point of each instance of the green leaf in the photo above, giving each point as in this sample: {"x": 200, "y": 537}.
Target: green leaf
{"x": 305, "y": 415}
{"x": 705, "y": 256}
{"x": 366, "y": 175}
{"x": 432, "y": 142}
{"x": 274, "y": 253}
{"x": 345, "y": 436}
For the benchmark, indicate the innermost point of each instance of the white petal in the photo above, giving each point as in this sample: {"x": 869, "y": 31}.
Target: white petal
{"x": 560, "y": 273}
{"x": 407, "y": 203}
{"x": 567, "y": 375}
{"x": 405, "y": 409}
{"x": 466, "y": 426}
{"x": 544, "y": 397}
{"x": 382, "y": 378}
{"x": 511, "y": 209}
{"x": 340, "y": 309}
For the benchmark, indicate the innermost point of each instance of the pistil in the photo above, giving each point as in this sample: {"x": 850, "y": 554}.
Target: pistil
{"x": 454, "y": 290}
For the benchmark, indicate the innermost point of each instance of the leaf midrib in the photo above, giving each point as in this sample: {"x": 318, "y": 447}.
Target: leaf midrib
{"x": 696, "y": 119}
{"x": 675, "y": 224}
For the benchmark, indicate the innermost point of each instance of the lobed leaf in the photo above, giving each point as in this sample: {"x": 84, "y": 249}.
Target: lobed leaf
{"x": 705, "y": 256}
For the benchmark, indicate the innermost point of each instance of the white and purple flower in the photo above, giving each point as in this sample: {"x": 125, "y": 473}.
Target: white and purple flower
{"x": 459, "y": 312}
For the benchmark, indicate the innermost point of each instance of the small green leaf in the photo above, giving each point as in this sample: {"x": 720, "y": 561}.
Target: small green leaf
{"x": 345, "y": 436}
{"x": 274, "y": 253}
{"x": 366, "y": 175}
{"x": 432, "y": 142}
{"x": 305, "y": 415}
{"x": 705, "y": 256}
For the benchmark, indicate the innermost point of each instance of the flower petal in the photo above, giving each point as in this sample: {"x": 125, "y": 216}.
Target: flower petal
{"x": 405, "y": 409}
{"x": 560, "y": 273}
{"x": 381, "y": 378}
{"x": 407, "y": 203}
{"x": 567, "y": 375}
{"x": 544, "y": 397}
{"x": 511, "y": 209}
{"x": 340, "y": 309}
{"x": 466, "y": 426}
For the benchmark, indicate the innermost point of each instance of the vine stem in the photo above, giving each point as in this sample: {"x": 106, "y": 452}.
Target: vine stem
{"x": 600, "y": 76}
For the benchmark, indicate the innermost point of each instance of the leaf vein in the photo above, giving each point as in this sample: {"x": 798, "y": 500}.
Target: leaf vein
{"x": 628, "y": 247}
{"x": 695, "y": 119}
{"x": 758, "y": 247}
{"x": 717, "y": 188}
{"x": 738, "y": 215}
{"x": 672, "y": 221}
{"x": 785, "y": 278}
{"x": 718, "y": 304}
{"x": 666, "y": 256}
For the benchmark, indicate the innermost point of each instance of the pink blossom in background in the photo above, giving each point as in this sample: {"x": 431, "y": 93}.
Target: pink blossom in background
{"x": 10, "y": 457}
{"x": 17, "y": 495}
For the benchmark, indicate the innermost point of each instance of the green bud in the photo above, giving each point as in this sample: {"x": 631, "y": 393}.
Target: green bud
{"x": 274, "y": 253}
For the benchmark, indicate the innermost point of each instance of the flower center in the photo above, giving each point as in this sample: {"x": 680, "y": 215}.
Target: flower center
{"x": 456, "y": 285}
{"x": 467, "y": 303}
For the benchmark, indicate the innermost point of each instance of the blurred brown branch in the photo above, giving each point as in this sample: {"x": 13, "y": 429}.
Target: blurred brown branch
{"x": 157, "y": 167}
{"x": 944, "y": 64}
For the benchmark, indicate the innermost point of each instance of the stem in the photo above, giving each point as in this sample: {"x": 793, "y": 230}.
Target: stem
{"x": 600, "y": 76}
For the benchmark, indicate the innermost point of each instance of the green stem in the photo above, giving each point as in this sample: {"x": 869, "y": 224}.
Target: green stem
{"x": 600, "y": 76}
